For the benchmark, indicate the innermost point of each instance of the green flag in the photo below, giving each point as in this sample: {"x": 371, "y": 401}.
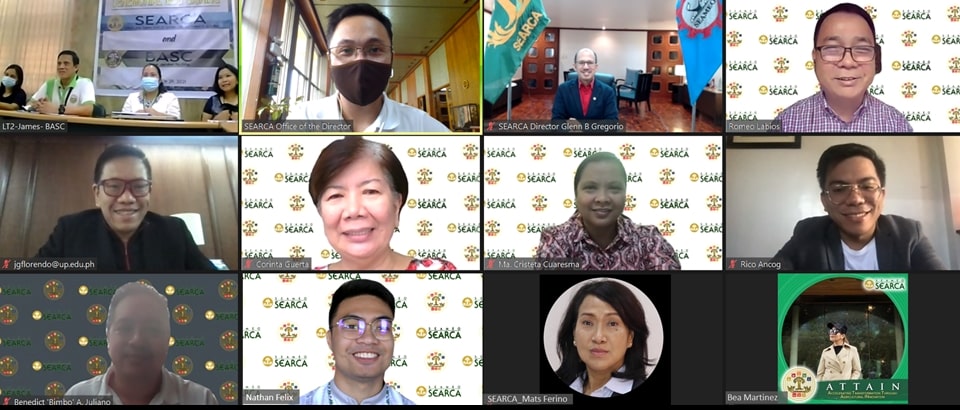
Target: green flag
{"x": 514, "y": 26}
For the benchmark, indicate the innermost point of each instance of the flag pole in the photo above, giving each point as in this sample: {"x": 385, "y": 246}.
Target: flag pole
{"x": 509, "y": 98}
{"x": 693, "y": 118}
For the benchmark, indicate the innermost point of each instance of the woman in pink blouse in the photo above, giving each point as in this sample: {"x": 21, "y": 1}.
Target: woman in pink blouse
{"x": 359, "y": 188}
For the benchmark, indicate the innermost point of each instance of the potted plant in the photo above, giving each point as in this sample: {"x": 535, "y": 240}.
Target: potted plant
{"x": 276, "y": 109}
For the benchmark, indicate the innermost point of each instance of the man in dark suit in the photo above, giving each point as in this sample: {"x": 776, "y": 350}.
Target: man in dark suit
{"x": 123, "y": 234}
{"x": 855, "y": 235}
{"x": 582, "y": 97}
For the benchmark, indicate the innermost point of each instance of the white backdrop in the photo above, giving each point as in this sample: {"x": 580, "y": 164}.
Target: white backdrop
{"x": 769, "y": 49}
{"x": 423, "y": 365}
{"x": 660, "y": 170}
{"x": 276, "y": 171}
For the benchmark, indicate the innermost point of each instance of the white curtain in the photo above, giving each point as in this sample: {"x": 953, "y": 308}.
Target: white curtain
{"x": 33, "y": 33}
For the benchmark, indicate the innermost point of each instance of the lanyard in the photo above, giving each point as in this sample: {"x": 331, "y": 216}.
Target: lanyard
{"x": 148, "y": 104}
{"x": 63, "y": 98}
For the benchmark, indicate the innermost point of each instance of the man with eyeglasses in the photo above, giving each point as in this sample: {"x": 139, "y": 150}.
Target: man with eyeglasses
{"x": 582, "y": 97}
{"x": 361, "y": 339}
{"x": 123, "y": 235}
{"x": 361, "y": 58}
{"x": 845, "y": 58}
{"x": 855, "y": 235}
{"x": 138, "y": 339}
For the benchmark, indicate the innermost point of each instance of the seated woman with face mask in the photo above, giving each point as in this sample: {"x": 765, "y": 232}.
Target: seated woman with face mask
{"x": 12, "y": 96}
{"x": 153, "y": 97}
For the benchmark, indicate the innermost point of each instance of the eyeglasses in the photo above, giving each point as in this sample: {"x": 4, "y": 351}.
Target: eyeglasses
{"x": 371, "y": 51}
{"x": 586, "y": 63}
{"x": 115, "y": 187}
{"x": 352, "y": 327}
{"x": 840, "y": 193}
{"x": 834, "y": 54}
{"x": 833, "y": 332}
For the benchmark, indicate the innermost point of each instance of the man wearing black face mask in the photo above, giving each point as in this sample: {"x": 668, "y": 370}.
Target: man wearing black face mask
{"x": 361, "y": 54}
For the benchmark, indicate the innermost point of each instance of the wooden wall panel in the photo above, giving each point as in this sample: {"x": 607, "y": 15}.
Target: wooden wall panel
{"x": 411, "y": 97}
{"x": 64, "y": 185}
{"x": 52, "y": 176}
{"x": 463, "y": 54}
{"x": 6, "y": 166}
{"x": 222, "y": 180}
{"x": 231, "y": 155}
{"x": 12, "y": 226}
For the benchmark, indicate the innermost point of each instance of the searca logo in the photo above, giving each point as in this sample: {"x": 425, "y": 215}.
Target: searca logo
{"x": 734, "y": 38}
{"x": 778, "y": 39}
{"x": 911, "y": 15}
{"x": 498, "y": 152}
{"x": 780, "y": 14}
{"x": 258, "y": 152}
{"x": 748, "y": 65}
{"x": 778, "y": 90}
{"x": 427, "y": 152}
{"x": 742, "y": 14}
{"x": 945, "y": 39}
{"x": 580, "y": 152}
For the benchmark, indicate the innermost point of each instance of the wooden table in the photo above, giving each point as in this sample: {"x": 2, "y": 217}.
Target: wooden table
{"x": 88, "y": 125}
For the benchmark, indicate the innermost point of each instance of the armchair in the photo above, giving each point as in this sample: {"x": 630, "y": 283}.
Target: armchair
{"x": 636, "y": 89}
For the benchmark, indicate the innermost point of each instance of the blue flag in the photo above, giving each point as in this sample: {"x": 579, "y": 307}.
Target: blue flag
{"x": 514, "y": 26}
{"x": 700, "y": 26}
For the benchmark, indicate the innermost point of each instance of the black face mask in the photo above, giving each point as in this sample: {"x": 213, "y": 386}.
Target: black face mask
{"x": 361, "y": 81}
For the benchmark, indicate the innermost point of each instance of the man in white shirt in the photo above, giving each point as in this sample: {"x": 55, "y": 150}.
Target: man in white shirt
{"x": 361, "y": 57}
{"x": 361, "y": 338}
{"x": 138, "y": 335}
{"x": 68, "y": 93}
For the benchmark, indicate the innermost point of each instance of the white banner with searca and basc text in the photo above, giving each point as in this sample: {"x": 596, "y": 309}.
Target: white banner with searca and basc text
{"x": 187, "y": 39}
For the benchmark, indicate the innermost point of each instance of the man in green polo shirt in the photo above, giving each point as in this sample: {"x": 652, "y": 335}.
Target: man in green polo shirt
{"x": 68, "y": 94}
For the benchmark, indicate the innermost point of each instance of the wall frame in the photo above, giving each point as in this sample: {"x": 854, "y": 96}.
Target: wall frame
{"x": 762, "y": 141}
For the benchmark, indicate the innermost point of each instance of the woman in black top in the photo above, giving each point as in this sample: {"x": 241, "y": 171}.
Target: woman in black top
{"x": 224, "y": 106}
{"x": 12, "y": 96}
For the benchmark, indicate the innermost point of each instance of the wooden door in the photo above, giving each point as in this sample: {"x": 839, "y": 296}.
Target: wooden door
{"x": 663, "y": 55}
{"x": 540, "y": 65}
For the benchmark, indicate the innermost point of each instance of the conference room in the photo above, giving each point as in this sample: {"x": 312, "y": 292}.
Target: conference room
{"x": 120, "y": 67}
{"x": 299, "y": 64}
{"x": 635, "y": 48}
